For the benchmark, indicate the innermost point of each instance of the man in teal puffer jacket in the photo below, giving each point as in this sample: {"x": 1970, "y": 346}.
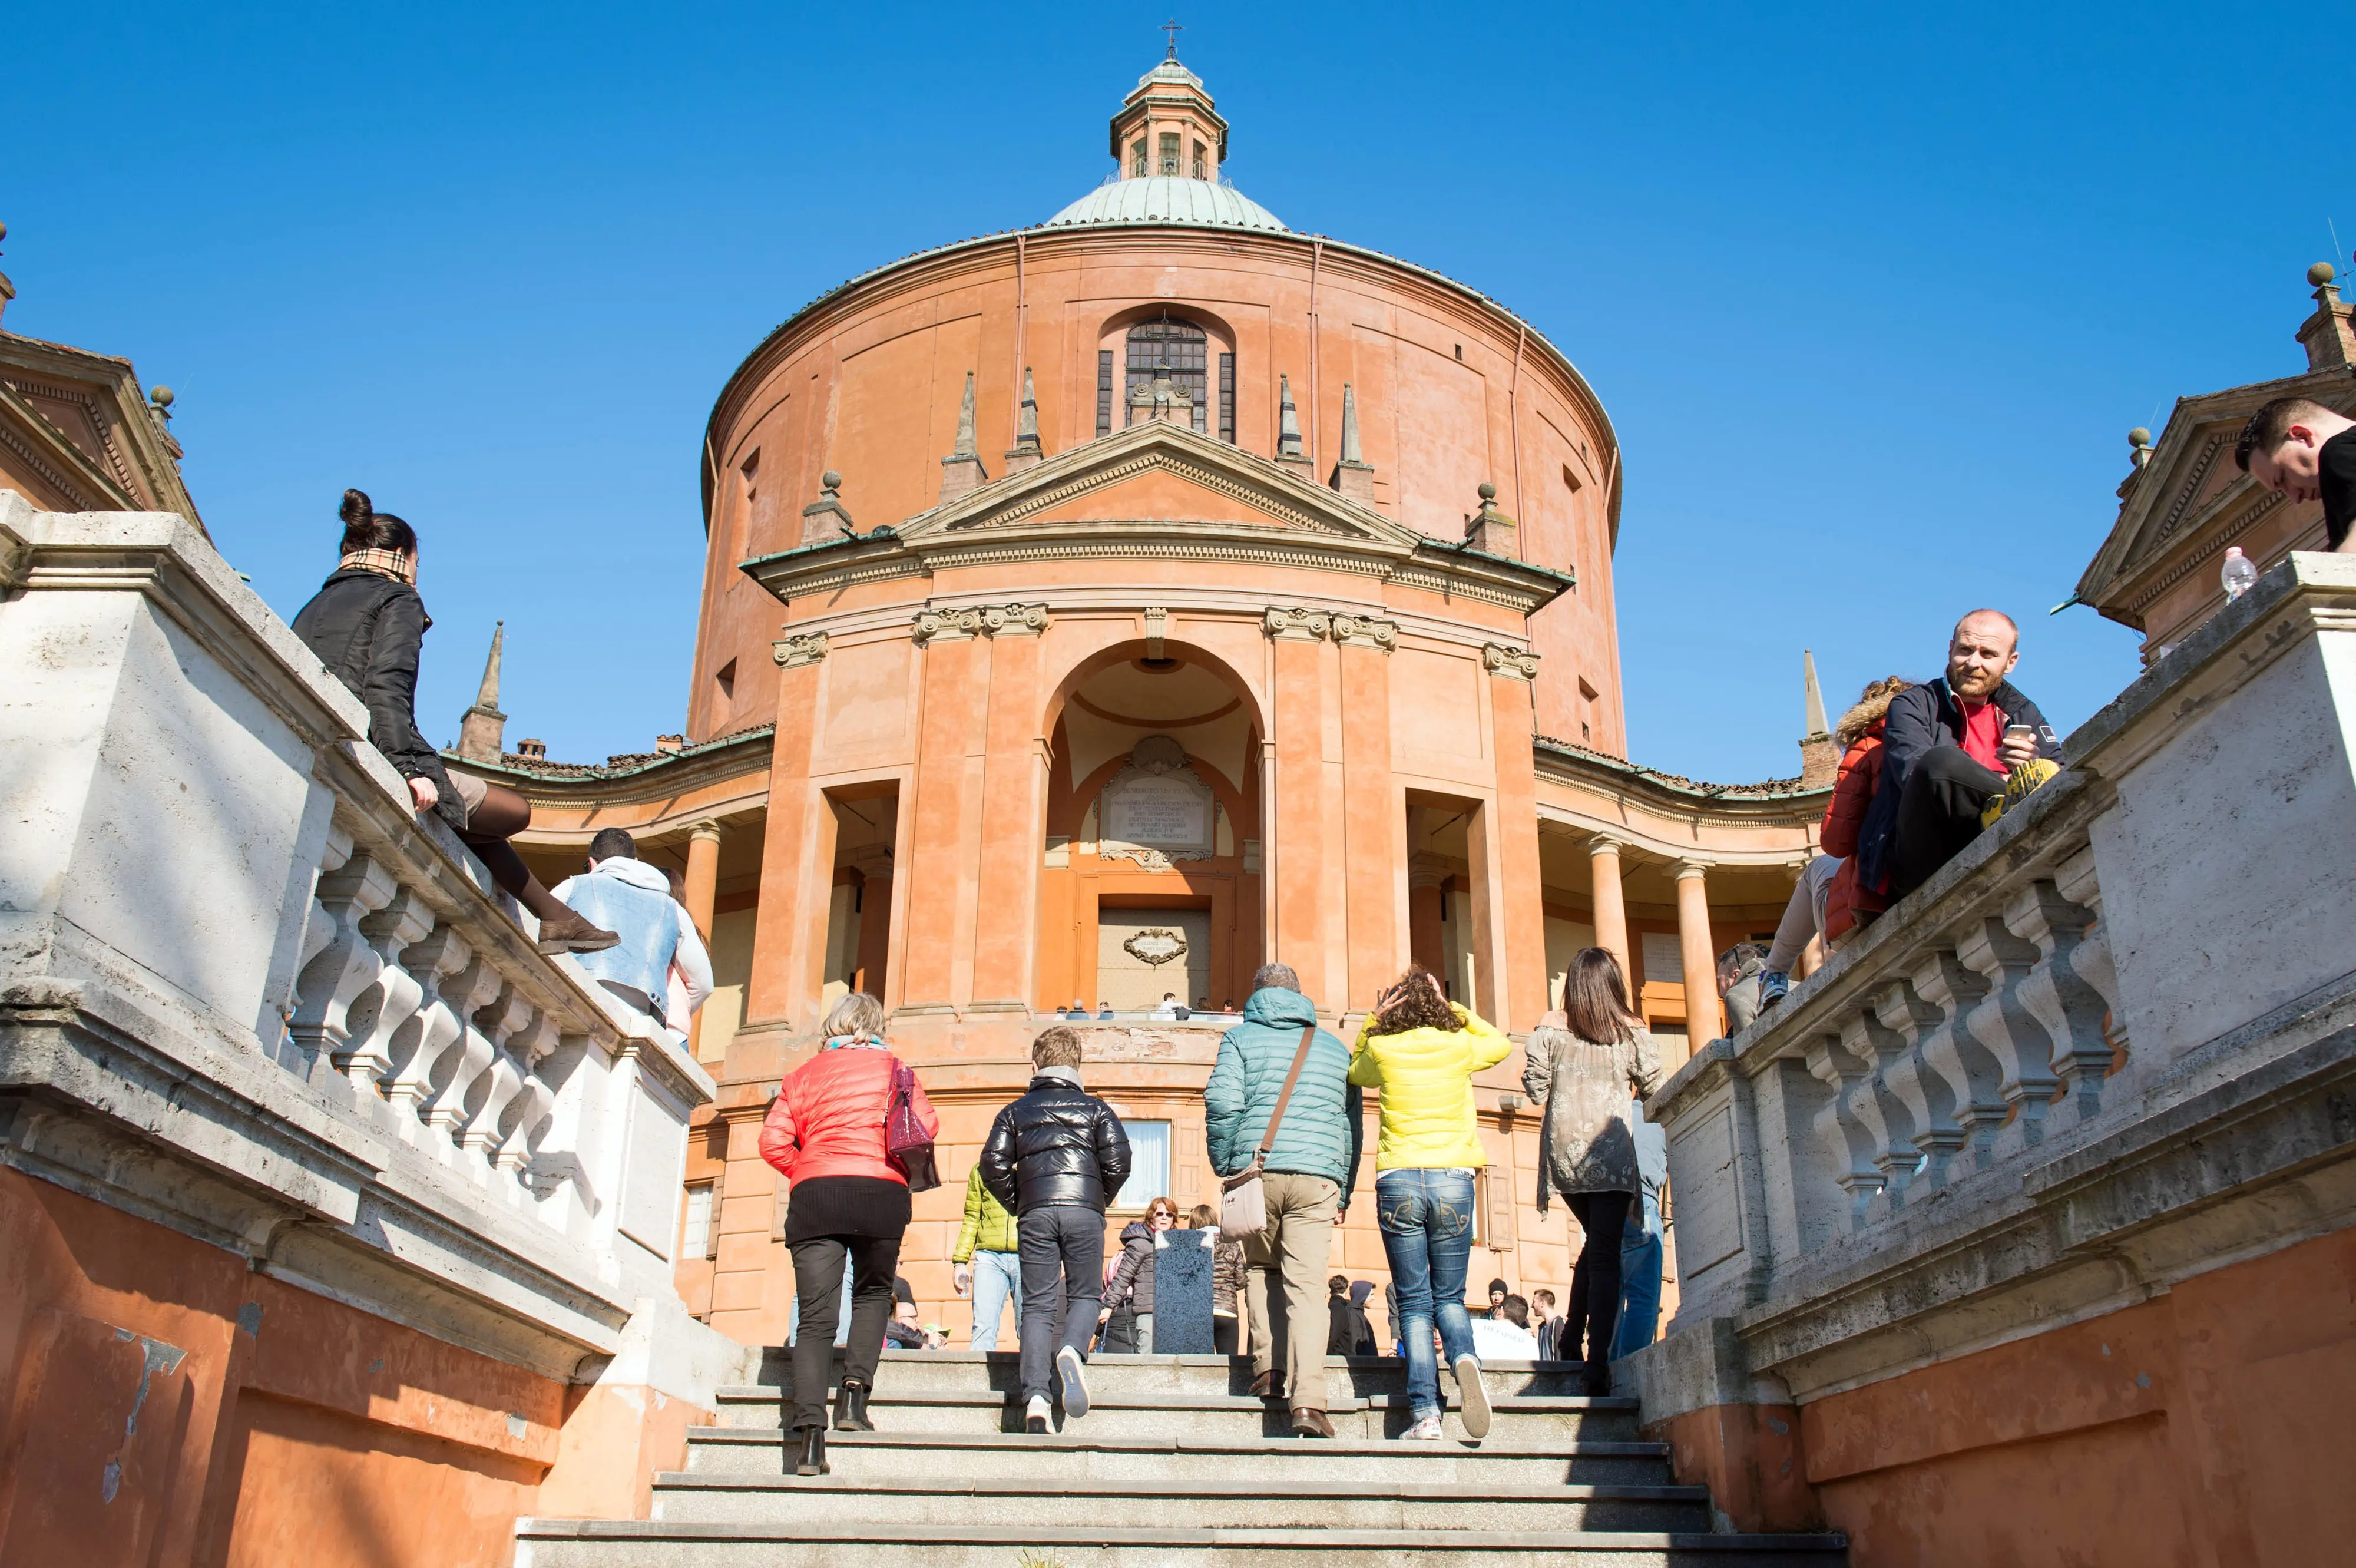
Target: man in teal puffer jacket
{"x": 1310, "y": 1172}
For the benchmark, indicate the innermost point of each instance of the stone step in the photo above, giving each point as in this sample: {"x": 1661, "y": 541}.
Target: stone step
{"x": 658, "y": 1543}
{"x": 1154, "y": 1415}
{"x": 1177, "y": 1464}
{"x": 925, "y": 1497}
{"x": 1359, "y": 1376}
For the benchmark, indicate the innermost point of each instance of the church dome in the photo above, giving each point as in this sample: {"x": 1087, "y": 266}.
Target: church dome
{"x": 1168, "y": 199}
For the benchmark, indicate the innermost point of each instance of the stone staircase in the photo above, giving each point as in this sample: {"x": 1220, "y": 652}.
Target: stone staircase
{"x": 1174, "y": 1464}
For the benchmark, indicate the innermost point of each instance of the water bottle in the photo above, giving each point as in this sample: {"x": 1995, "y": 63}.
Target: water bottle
{"x": 2237, "y": 575}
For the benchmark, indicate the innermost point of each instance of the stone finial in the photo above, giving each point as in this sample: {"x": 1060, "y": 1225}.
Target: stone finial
{"x": 1289, "y": 450}
{"x": 1489, "y": 529}
{"x": 1026, "y": 451}
{"x": 2329, "y": 335}
{"x": 1819, "y": 758}
{"x": 961, "y": 470}
{"x": 825, "y": 519}
{"x": 482, "y": 729}
{"x": 1353, "y": 475}
{"x": 159, "y": 398}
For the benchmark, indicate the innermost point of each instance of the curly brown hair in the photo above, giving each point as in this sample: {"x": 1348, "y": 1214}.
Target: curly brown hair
{"x": 1416, "y": 1002}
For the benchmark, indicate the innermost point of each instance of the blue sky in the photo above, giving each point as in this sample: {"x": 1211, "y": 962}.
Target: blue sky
{"x": 1872, "y": 295}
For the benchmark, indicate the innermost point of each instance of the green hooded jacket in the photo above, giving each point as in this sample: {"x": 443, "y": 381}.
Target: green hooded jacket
{"x": 988, "y": 1227}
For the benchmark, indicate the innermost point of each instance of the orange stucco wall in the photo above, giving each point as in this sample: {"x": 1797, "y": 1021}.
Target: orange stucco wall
{"x": 1451, "y": 393}
{"x": 2208, "y": 1427}
{"x": 165, "y": 1404}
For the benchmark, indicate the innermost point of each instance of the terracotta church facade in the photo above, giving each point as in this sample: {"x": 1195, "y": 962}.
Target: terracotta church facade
{"x": 1097, "y": 611}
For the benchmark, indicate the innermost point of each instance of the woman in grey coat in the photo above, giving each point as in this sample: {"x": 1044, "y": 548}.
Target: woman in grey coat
{"x": 1582, "y": 1064}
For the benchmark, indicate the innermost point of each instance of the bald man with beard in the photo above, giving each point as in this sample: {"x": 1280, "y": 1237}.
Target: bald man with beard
{"x": 1948, "y": 745}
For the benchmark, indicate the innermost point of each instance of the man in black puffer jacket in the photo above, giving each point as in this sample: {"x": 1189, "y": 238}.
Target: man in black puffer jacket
{"x": 1056, "y": 1157}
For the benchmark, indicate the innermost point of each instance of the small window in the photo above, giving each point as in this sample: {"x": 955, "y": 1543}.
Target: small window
{"x": 1104, "y": 367}
{"x": 1202, "y": 164}
{"x": 695, "y": 1234}
{"x": 1149, "y": 1164}
{"x": 1572, "y": 479}
{"x": 1137, "y": 159}
{"x": 725, "y": 679}
{"x": 1227, "y": 399}
{"x": 1169, "y": 152}
{"x": 1459, "y": 353}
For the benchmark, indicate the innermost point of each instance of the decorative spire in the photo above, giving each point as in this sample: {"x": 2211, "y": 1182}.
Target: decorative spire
{"x": 1353, "y": 475}
{"x": 1027, "y": 452}
{"x": 1819, "y": 758}
{"x": 1288, "y": 452}
{"x": 482, "y": 729}
{"x": 961, "y": 470}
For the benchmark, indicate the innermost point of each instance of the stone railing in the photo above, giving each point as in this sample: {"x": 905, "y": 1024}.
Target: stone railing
{"x": 2021, "y": 1095}
{"x": 228, "y": 939}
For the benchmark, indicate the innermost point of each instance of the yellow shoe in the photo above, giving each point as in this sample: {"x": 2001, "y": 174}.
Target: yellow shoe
{"x": 2019, "y": 785}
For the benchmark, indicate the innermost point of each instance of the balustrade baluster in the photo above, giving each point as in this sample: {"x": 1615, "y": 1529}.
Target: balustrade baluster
{"x": 2010, "y": 1032}
{"x": 528, "y": 1111}
{"x": 348, "y": 965}
{"x": 1972, "y": 1074}
{"x": 380, "y": 1012}
{"x": 1917, "y": 1078}
{"x": 470, "y": 1053}
{"x": 503, "y": 1080}
{"x": 1847, "y": 1144}
{"x": 2059, "y": 996}
{"x": 434, "y": 963}
{"x": 1881, "y": 1112}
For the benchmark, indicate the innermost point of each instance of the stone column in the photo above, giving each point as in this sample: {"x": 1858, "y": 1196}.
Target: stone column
{"x": 1427, "y": 883}
{"x": 1521, "y": 987}
{"x": 1704, "y": 1020}
{"x": 1013, "y": 815}
{"x": 797, "y": 853}
{"x": 1612, "y": 908}
{"x": 1295, "y": 861}
{"x": 943, "y": 846}
{"x": 874, "y": 864}
{"x": 702, "y": 888}
{"x": 1374, "y": 828}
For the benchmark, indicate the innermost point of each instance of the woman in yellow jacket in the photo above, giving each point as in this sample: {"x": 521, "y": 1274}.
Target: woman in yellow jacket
{"x": 1422, "y": 1051}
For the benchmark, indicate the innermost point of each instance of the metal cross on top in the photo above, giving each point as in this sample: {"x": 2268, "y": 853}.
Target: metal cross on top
{"x": 1173, "y": 28}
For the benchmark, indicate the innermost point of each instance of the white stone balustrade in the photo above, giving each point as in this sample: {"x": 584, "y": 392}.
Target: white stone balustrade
{"x": 227, "y": 938}
{"x": 1994, "y": 1103}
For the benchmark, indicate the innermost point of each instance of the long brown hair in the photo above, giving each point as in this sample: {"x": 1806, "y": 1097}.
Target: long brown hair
{"x": 1419, "y": 1006}
{"x": 1595, "y": 997}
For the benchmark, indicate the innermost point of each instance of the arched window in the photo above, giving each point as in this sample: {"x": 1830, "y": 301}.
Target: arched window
{"x": 1183, "y": 349}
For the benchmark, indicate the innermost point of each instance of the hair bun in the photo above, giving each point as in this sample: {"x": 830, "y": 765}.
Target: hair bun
{"x": 355, "y": 508}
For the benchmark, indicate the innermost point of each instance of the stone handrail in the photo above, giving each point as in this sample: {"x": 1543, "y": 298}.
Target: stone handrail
{"x": 2018, "y": 1092}
{"x": 240, "y": 940}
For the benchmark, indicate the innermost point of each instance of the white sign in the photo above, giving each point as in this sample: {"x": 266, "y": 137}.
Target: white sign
{"x": 1163, "y": 812}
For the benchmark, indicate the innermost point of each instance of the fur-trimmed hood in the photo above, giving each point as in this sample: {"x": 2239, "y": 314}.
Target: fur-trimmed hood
{"x": 1861, "y": 718}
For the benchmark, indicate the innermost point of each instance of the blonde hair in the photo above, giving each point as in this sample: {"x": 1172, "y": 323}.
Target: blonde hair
{"x": 857, "y": 1014}
{"x": 1056, "y": 1046}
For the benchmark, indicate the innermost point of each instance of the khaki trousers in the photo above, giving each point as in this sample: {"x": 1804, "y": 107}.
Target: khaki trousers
{"x": 1297, "y": 1243}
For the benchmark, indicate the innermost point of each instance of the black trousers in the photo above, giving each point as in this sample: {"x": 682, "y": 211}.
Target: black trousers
{"x": 1063, "y": 1269}
{"x": 818, "y": 1282}
{"x": 1595, "y": 1278}
{"x": 1938, "y": 814}
{"x": 1222, "y": 1335}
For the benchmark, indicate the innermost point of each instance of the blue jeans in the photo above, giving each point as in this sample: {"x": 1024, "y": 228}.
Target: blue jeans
{"x": 1640, "y": 1294}
{"x": 1426, "y": 1222}
{"x": 996, "y": 1277}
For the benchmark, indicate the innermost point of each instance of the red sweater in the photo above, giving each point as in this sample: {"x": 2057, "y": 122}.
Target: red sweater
{"x": 1853, "y": 788}
{"x": 828, "y": 1119}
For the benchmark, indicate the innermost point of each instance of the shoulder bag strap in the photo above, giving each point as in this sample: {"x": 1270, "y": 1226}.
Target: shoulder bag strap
{"x": 1299, "y": 1056}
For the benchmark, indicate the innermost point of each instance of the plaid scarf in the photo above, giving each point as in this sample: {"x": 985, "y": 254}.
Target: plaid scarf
{"x": 390, "y": 563}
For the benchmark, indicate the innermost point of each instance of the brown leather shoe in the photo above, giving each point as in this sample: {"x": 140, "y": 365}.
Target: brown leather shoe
{"x": 1307, "y": 1423}
{"x": 1264, "y": 1386}
{"x": 568, "y": 933}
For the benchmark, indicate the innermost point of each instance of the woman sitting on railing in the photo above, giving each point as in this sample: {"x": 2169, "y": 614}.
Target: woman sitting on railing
{"x": 1581, "y": 1065}
{"x": 367, "y": 624}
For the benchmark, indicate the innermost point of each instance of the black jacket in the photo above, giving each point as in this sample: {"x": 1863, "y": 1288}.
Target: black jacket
{"x": 368, "y": 630}
{"x": 1920, "y": 718}
{"x": 1056, "y": 1145}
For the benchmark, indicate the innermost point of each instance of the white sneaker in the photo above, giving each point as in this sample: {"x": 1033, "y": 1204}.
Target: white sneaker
{"x": 1076, "y": 1382}
{"x": 1427, "y": 1430}
{"x": 1038, "y": 1416}
{"x": 1472, "y": 1398}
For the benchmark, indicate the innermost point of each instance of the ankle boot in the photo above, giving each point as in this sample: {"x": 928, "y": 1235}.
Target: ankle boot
{"x": 850, "y": 1409}
{"x": 567, "y": 931}
{"x": 813, "y": 1457}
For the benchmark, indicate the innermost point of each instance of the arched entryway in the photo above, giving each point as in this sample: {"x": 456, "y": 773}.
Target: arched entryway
{"x": 1152, "y": 879}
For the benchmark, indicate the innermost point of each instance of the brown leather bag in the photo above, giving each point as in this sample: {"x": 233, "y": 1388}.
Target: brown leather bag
{"x": 1243, "y": 1197}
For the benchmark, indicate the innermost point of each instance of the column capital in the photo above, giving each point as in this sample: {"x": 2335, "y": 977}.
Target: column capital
{"x": 1694, "y": 870}
{"x": 1428, "y": 871}
{"x": 793, "y": 652}
{"x": 977, "y": 620}
{"x": 1297, "y": 624}
{"x": 1606, "y": 844}
{"x": 871, "y": 861}
{"x": 705, "y": 829}
{"x": 1366, "y": 631}
{"x": 1513, "y": 663}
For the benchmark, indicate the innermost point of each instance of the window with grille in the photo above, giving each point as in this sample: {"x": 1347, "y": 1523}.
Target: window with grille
{"x": 1137, "y": 159}
{"x": 1104, "y": 386}
{"x": 695, "y": 1232}
{"x": 1227, "y": 399}
{"x": 1181, "y": 346}
{"x": 1169, "y": 152}
{"x": 1202, "y": 167}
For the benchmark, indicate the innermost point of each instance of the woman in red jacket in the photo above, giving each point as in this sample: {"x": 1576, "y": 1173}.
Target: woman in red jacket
{"x": 825, "y": 1134}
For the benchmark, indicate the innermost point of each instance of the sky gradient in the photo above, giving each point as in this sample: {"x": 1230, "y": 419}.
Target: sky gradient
{"x": 1872, "y": 298}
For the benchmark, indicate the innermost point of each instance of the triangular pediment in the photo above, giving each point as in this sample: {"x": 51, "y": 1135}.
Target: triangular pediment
{"x": 1160, "y": 474}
